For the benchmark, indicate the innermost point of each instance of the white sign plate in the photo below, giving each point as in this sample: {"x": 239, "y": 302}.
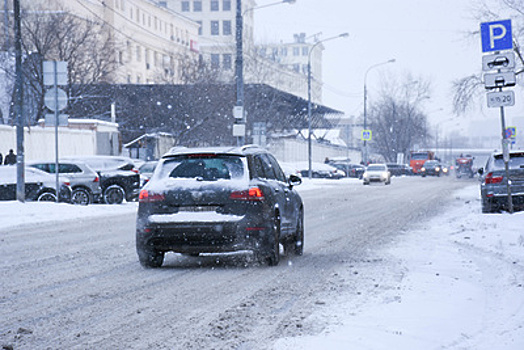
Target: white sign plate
{"x": 503, "y": 60}
{"x": 49, "y": 73}
{"x": 52, "y": 96}
{"x": 501, "y": 99}
{"x": 498, "y": 80}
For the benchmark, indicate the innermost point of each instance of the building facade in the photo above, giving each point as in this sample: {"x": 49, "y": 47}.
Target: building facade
{"x": 152, "y": 43}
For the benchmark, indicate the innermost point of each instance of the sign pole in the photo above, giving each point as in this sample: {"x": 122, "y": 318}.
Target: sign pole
{"x": 505, "y": 152}
{"x": 57, "y": 172}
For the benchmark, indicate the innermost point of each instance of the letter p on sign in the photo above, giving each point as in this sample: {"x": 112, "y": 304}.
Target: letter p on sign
{"x": 496, "y": 36}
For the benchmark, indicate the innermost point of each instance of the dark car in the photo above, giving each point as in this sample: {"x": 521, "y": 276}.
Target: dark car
{"x": 493, "y": 188}
{"x": 219, "y": 200}
{"x": 431, "y": 167}
{"x": 351, "y": 170}
{"x": 119, "y": 177}
{"x": 399, "y": 169}
{"x": 39, "y": 185}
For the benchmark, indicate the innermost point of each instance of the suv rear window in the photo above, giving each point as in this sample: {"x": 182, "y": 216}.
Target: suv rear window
{"x": 206, "y": 167}
{"x": 516, "y": 161}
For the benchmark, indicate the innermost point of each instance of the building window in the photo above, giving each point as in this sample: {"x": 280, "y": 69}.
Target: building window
{"x": 283, "y": 52}
{"x": 185, "y": 6}
{"x": 226, "y": 27}
{"x": 296, "y": 51}
{"x": 138, "y": 53}
{"x": 214, "y": 28}
{"x": 197, "y": 6}
{"x": 296, "y": 67}
{"x": 227, "y": 62}
{"x": 200, "y": 27}
{"x": 305, "y": 51}
{"x": 226, "y": 5}
{"x": 214, "y": 5}
{"x": 215, "y": 61}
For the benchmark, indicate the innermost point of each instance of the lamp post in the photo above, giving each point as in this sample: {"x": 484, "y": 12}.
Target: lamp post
{"x": 365, "y": 149}
{"x": 239, "y": 114}
{"x": 343, "y": 35}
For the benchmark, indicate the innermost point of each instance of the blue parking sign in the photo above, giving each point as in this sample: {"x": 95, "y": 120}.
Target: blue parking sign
{"x": 496, "y": 36}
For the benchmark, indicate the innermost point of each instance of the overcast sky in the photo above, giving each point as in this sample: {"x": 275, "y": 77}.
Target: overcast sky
{"x": 426, "y": 37}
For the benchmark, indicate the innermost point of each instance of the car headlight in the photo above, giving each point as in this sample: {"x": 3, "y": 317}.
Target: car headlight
{"x": 437, "y": 169}
{"x": 422, "y": 169}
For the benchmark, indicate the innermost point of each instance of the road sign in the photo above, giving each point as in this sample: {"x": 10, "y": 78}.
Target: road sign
{"x": 502, "y": 60}
{"x": 49, "y": 73}
{"x": 63, "y": 120}
{"x": 238, "y": 112}
{"x": 501, "y": 99}
{"x": 366, "y": 135}
{"x": 496, "y": 36}
{"x": 52, "y": 96}
{"x": 511, "y": 133}
{"x": 499, "y": 80}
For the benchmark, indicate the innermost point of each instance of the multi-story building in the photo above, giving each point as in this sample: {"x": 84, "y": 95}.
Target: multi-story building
{"x": 217, "y": 42}
{"x": 152, "y": 43}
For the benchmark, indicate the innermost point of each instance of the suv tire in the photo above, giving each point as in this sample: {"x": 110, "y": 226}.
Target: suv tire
{"x": 81, "y": 196}
{"x": 114, "y": 194}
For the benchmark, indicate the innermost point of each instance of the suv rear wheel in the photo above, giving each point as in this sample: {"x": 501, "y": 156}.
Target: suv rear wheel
{"x": 81, "y": 196}
{"x": 150, "y": 259}
{"x": 114, "y": 194}
{"x": 47, "y": 197}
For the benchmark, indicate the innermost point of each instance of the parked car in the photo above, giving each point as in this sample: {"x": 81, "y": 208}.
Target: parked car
{"x": 319, "y": 170}
{"x": 85, "y": 182}
{"x": 430, "y": 167}
{"x": 399, "y": 169}
{"x": 376, "y": 173}
{"x": 350, "y": 169}
{"x": 493, "y": 189}
{"x": 39, "y": 185}
{"x": 219, "y": 200}
{"x": 119, "y": 178}
{"x": 146, "y": 171}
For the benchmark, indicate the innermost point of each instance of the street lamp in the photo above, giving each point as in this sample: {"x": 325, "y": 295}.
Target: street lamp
{"x": 365, "y": 150}
{"x": 343, "y": 35}
{"x": 239, "y": 114}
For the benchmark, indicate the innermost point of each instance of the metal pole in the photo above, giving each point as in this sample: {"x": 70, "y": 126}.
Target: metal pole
{"x": 6, "y": 26}
{"x": 365, "y": 150}
{"x": 57, "y": 172}
{"x": 343, "y": 35}
{"x": 18, "y": 107}
{"x": 239, "y": 65}
{"x": 506, "y": 156}
{"x": 310, "y": 171}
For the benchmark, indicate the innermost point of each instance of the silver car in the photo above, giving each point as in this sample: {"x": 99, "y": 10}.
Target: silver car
{"x": 493, "y": 184}
{"x": 85, "y": 182}
{"x": 376, "y": 173}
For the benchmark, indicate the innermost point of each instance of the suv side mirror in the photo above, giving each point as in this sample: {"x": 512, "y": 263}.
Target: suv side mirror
{"x": 480, "y": 171}
{"x": 294, "y": 180}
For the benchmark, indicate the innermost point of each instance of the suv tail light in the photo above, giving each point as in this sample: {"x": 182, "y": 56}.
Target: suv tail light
{"x": 97, "y": 179}
{"x": 254, "y": 194}
{"x": 150, "y": 197}
{"x": 490, "y": 179}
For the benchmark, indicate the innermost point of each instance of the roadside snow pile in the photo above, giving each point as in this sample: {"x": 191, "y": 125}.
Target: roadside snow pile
{"x": 461, "y": 287}
{"x": 13, "y": 213}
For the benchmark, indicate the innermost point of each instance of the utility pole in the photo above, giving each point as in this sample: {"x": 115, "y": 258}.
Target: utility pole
{"x": 18, "y": 105}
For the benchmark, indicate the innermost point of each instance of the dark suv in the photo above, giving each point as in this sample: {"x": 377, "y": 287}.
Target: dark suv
{"x": 493, "y": 184}
{"x": 119, "y": 177}
{"x": 217, "y": 200}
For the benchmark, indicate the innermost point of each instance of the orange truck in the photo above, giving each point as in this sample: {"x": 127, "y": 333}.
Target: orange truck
{"x": 417, "y": 159}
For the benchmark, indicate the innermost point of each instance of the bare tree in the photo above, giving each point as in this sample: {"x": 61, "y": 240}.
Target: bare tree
{"x": 397, "y": 118}
{"x": 60, "y": 36}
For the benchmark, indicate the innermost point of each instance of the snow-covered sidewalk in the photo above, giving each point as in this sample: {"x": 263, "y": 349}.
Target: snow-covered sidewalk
{"x": 461, "y": 287}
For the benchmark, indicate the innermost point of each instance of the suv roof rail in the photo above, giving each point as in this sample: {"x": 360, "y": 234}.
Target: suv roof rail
{"x": 245, "y": 147}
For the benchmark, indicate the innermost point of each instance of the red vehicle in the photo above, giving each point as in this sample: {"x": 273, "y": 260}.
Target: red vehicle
{"x": 464, "y": 166}
{"x": 417, "y": 159}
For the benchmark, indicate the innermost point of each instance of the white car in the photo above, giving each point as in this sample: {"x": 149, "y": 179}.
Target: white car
{"x": 376, "y": 173}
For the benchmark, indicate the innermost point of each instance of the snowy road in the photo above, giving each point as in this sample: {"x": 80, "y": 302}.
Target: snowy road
{"x": 78, "y": 284}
